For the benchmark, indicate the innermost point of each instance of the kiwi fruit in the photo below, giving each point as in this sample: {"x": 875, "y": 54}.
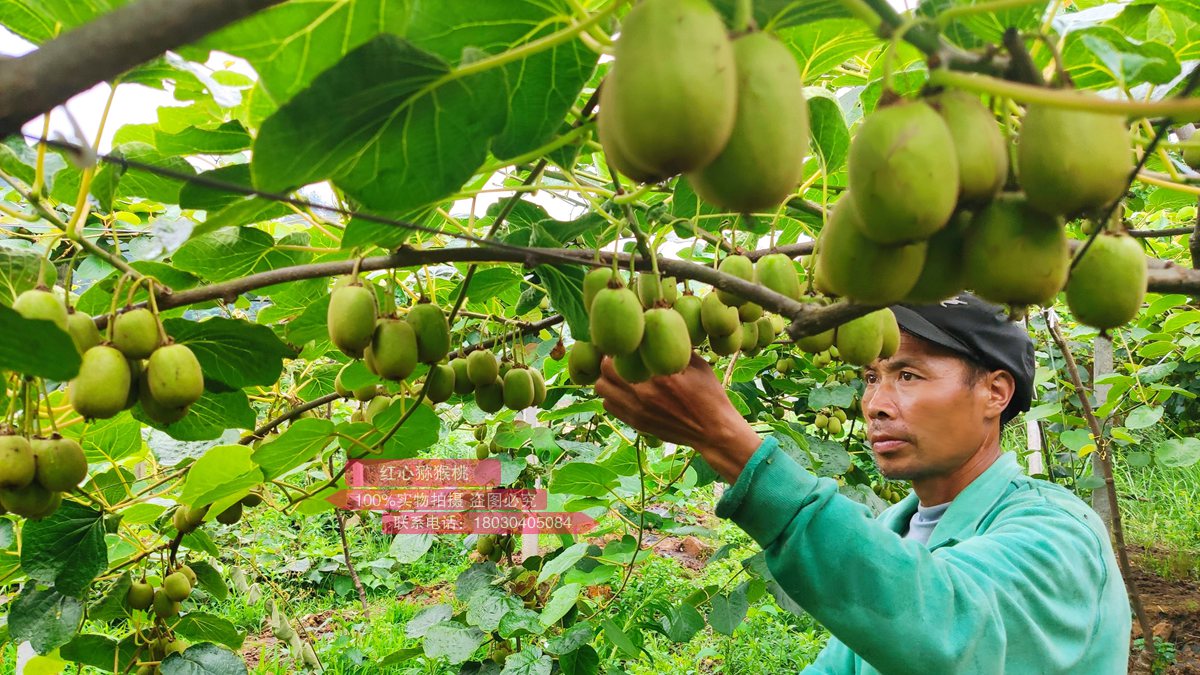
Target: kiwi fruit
{"x": 859, "y": 341}
{"x": 688, "y": 306}
{"x": 741, "y": 267}
{"x": 1106, "y": 288}
{"x": 135, "y": 333}
{"x": 230, "y": 515}
{"x": 490, "y": 397}
{"x": 366, "y": 392}
{"x": 32, "y": 501}
{"x": 617, "y": 157}
{"x": 41, "y": 304}
{"x": 518, "y": 389}
{"x": 583, "y": 363}
{"x": 539, "y": 387}
{"x": 857, "y": 268}
{"x": 979, "y": 145}
{"x": 834, "y": 427}
{"x": 717, "y": 318}
{"x": 164, "y": 606}
{"x": 631, "y": 368}
{"x": 375, "y": 406}
{"x": 750, "y": 338}
{"x": 1070, "y": 161}
{"x": 595, "y": 281}
{"x": 815, "y": 344}
{"x": 891, "y": 334}
{"x": 763, "y": 160}
{"x": 187, "y": 519}
{"x": 140, "y": 595}
{"x": 1191, "y": 153}
{"x": 670, "y": 290}
{"x": 101, "y": 388}
{"x": 617, "y": 323}
{"x": 351, "y": 318}
{"x": 648, "y": 288}
{"x": 725, "y": 345}
{"x": 339, "y": 384}
{"x": 766, "y": 331}
{"x": 252, "y": 499}
{"x": 1016, "y": 254}
{"x": 673, "y": 62}
{"x": 61, "y": 464}
{"x": 784, "y": 365}
{"x": 481, "y": 451}
{"x": 174, "y": 376}
{"x": 482, "y": 367}
{"x": 666, "y": 347}
{"x": 943, "y": 274}
{"x": 462, "y": 380}
{"x": 176, "y": 586}
{"x": 432, "y": 331}
{"x": 750, "y": 312}
{"x": 903, "y": 174}
{"x": 154, "y": 410}
{"x": 83, "y": 330}
{"x": 394, "y": 349}
{"x": 441, "y": 383}
{"x": 18, "y": 464}
{"x": 777, "y": 272}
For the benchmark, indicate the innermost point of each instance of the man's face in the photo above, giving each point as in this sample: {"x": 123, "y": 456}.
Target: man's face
{"x": 925, "y": 416}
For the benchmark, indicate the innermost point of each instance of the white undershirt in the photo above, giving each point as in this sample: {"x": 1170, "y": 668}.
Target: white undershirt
{"x": 921, "y": 525}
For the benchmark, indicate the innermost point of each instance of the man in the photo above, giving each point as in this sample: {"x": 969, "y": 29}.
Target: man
{"x": 980, "y": 570}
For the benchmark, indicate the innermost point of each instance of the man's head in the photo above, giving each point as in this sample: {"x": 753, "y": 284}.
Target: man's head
{"x": 961, "y": 372}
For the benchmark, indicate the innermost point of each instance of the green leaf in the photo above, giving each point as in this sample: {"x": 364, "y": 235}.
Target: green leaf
{"x": 55, "y": 357}
{"x": 111, "y": 606}
{"x": 141, "y": 185}
{"x": 20, "y": 270}
{"x": 108, "y": 440}
{"x": 584, "y": 661}
{"x": 1043, "y": 411}
{"x": 227, "y": 138}
{"x": 1143, "y": 417}
{"x": 824, "y": 45}
{"x": 420, "y": 624}
{"x": 778, "y": 14}
{"x": 565, "y": 285}
{"x": 452, "y": 640}
{"x": 235, "y": 352}
{"x": 393, "y": 126}
{"x": 1177, "y": 453}
{"x": 235, "y": 252}
{"x": 203, "y": 659}
{"x": 543, "y": 86}
{"x": 578, "y": 635}
{"x": 682, "y": 622}
{"x": 299, "y": 444}
{"x": 291, "y": 43}
{"x": 223, "y": 471}
{"x": 208, "y": 578}
{"x": 46, "y": 618}
{"x": 420, "y": 431}
{"x": 1181, "y": 320}
{"x": 838, "y": 396}
{"x": 584, "y": 479}
{"x": 1075, "y": 439}
{"x": 207, "y": 418}
{"x": 563, "y": 562}
{"x": 728, "y": 611}
{"x": 827, "y": 127}
{"x": 1100, "y": 56}
{"x": 361, "y": 232}
{"x": 620, "y": 640}
{"x": 521, "y": 621}
{"x": 65, "y": 549}
{"x": 202, "y": 627}
{"x": 42, "y": 20}
{"x": 99, "y": 651}
{"x": 488, "y": 605}
{"x": 409, "y": 548}
{"x": 561, "y": 601}
{"x": 528, "y": 661}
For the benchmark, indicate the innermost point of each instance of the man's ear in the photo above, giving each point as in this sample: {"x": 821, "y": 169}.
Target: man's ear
{"x": 1000, "y": 389}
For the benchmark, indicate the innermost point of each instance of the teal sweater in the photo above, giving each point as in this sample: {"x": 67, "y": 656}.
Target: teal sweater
{"x": 1018, "y": 577}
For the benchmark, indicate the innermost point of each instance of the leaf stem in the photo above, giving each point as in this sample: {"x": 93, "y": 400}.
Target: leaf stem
{"x": 1063, "y": 98}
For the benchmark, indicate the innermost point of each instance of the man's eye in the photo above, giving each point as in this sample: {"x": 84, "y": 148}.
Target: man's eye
{"x": 869, "y": 378}
{"x": 907, "y": 376}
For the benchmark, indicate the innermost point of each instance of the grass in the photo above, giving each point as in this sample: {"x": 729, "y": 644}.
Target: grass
{"x": 1159, "y": 510}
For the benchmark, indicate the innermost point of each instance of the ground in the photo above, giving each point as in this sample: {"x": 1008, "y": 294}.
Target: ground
{"x": 1170, "y": 593}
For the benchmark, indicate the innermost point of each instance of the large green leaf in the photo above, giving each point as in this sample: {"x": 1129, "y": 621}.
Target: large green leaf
{"x": 822, "y": 46}
{"x": 542, "y": 86}
{"x": 223, "y": 471}
{"x": 66, "y": 549}
{"x": 827, "y": 127}
{"x": 42, "y": 20}
{"x": 235, "y": 352}
{"x": 204, "y": 658}
{"x": 299, "y": 444}
{"x": 135, "y": 183}
{"x": 44, "y": 617}
{"x": 452, "y": 640}
{"x": 108, "y": 440}
{"x": 199, "y": 626}
{"x": 778, "y": 14}
{"x": 1099, "y": 57}
{"x": 583, "y": 478}
{"x": 36, "y": 347}
{"x": 227, "y": 138}
{"x": 565, "y": 285}
{"x": 291, "y": 43}
{"x": 20, "y": 270}
{"x": 393, "y": 126}
{"x": 236, "y": 252}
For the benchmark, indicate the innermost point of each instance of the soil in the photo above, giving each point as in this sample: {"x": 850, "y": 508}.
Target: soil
{"x": 1172, "y": 604}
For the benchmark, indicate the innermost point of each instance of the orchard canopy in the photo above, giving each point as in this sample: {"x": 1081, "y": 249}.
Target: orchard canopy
{"x": 409, "y": 229}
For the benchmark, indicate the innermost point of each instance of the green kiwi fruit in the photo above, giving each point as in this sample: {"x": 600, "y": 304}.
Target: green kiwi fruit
{"x": 164, "y": 606}
{"x": 462, "y": 380}
{"x": 140, "y": 595}
{"x": 717, "y": 318}
{"x": 61, "y": 464}
{"x": 230, "y": 515}
{"x": 1015, "y": 254}
{"x": 375, "y": 406}
{"x": 859, "y": 341}
{"x": 441, "y": 383}
{"x": 432, "y": 331}
{"x": 689, "y": 307}
{"x": 666, "y": 347}
{"x": 631, "y": 368}
{"x": 741, "y": 267}
{"x": 594, "y": 281}
{"x": 648, "y": 288}
{"x": 979, "y": 145}
{"x": 777, "y": 272}
{"x": 1107, "y": 286}
{"x": 18, "y": 463}
{"x": 855, "y": 267}
{"x": 891, "y": 334}
{"x": 539, "y": 387}
{"x": 393, "y": 349}
{"x": 351, "y": 318}
{"x": 518, "y": 389}
{"x": 83, "y": 330}
{"x": 135, "y": 333}
{"x": 174, "y": 376}
{"x": 176, "y": 586}
{"x": 766, "y": 331}
{"x": 101, "y": 388}
{"x": 726, "y": 345}
{"x": 42, "y": 304}
{"x": 30, "y": 501}
{"x": 617, "y": 323}
{"x": 1070, "y": 161}
{"x": 482, "y": 367}
{"x": 490, "y": 397}
{"x": 583, "y": 363}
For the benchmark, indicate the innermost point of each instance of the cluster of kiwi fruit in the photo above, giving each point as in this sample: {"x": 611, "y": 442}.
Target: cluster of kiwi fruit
{"x": 888, "y": 491}
{"x": 831, "y": 420}
{"x": 391, "y": 347}
{"x": 682, "y": 97}
{"x": 484, "y": 449}
{"x": 35, "y": 472}
{"x": 165, "y": 599}
{"x": 495, "y": 546}
{"x": 134, "y": 366}
{"x": 924, "y": 210}
{"x": 187, "y": 518}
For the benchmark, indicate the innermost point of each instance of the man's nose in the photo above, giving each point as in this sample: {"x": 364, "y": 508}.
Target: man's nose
{"x": 879, "y": 402}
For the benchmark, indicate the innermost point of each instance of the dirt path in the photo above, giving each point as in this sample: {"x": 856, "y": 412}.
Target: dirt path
{"x": 1173, "y": 605}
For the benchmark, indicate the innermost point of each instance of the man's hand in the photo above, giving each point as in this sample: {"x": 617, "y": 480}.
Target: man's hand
{"x": 688, "y": 408}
